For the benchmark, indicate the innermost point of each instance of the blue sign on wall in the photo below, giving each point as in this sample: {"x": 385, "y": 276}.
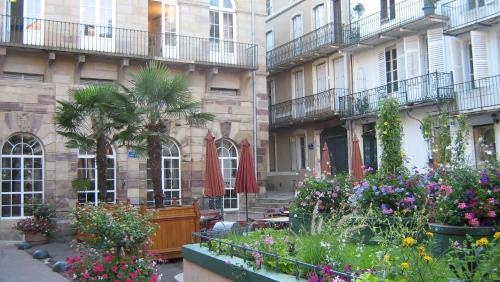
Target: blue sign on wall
{"x": 310, "y": 146}
{"x": 132, "y": 154}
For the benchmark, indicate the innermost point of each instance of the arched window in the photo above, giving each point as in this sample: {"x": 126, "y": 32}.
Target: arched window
{"x": 222, "y": 22}
{"x": 171, "y": 174}
{"x": 228, "y": 157}
{"x": 87, "y": 169}
{"x": 22, "y": 175}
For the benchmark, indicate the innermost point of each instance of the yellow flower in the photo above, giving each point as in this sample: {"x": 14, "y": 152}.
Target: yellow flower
{"x": 421, "y": 250}
{"x": 429, "y": 234}
{"x": 385, "y": 132}
{"x": 386, "y": 123}
{"x": 405, "y": 265}
{"x": 496, "y": 236}
{"x": 386, "y": 258}
{"x": 409, "y": 241}
{"x": 427, "y": 259}
{"x": 482, "y": 242}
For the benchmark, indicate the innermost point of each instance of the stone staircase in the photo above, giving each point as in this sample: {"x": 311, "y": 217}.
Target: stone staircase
{"x": 258, "y": 206}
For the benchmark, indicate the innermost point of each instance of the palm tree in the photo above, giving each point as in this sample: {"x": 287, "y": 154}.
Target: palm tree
{"x": 159, "y": 97}
{"x": 95, "y": 118}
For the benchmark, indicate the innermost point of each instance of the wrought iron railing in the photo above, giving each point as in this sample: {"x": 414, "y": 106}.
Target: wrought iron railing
{"x": 108, "y": 40}
{"x": 418, "y": 90}
{"x": 400, "y": 14}
{"x": 310, "y": 107}
{"x": 475, "y": 96}
{"x": 463, "y": 13}
{"x": 221, "y": 246}
{"x": 327, "y": 35}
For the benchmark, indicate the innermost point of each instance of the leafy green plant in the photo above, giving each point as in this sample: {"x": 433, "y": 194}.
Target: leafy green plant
{"x": 390, "y": 132}
{"x": 81, "y": 184}
{"x": 460, "y": 142}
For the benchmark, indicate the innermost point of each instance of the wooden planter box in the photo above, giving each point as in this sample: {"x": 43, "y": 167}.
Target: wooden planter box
{"x": 175, "y": 226}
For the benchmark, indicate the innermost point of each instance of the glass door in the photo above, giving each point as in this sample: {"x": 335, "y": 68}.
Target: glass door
{"x": 32, "y": 23}
{"x": 97, "y": 17}
{"x": 169, "y": 30}
{"x": 222, "y": 37}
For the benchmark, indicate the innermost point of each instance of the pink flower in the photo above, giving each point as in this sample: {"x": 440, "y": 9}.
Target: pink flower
{"x": 133, "y": 275}
{"x": 114, "y": 268}
{"x": 108, "y": 258}
{"x": 492, "y": 201}
{"x": 120, "y": 275}
{"x": 474, "y": 222}
{"x": 496, "y": 189}
{"x": 154, "y": 278}
{"x": 469, "y": 215}
{"x": 86, "y": 275}
{"x": 104, "y": 276}
{"x": 123, "y": 266}
{"x": 462, "y": 206}
{"x": 492, "y": 214}
{"x": 128, "y": 280}
{"x": 268, "y": 240}
{"x": 446, "y": 189}
{"x": 98, "y": 268}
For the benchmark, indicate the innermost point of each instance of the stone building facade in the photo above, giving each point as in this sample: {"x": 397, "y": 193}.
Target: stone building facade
{"x": 48, "y": 47}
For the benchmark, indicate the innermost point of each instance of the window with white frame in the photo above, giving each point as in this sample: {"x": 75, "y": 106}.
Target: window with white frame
{"x": 228, "y": 158}
{"x": 321, "y": 78}
{"x": 97, "y": 17}
{"x": 472, "y": 4}
{"x": 391, "y": 69}
{"x": 170, "y": 30}
{"x": 319, "y": 16}
{"x": 302, "y": 150}
{"x": 170, "y": 176}
{"x": 22, "y": 175}
{"x": 470, "y": 62}
{"x": 298, "y": 81}
{"x": 222, "y": 19}
{"x": 272, "y": 153}
{"x": 269, "y": 41}
{"x": 387, "y": 9}
{"x": 297, "y": 27}
{"x": 87, "y": 169}
{"x": 271, "y": 92}
{"x": 484, "y": 143}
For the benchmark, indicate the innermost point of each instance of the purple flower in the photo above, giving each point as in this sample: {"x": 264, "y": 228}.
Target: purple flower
{"x": 348, "y": 268}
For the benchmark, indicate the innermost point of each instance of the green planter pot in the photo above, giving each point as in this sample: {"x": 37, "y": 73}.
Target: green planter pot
{"x": 444, "y": 234}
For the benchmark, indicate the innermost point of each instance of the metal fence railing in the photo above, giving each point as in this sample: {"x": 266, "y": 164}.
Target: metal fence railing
{"x": 475, "y": 95}
{"x": 218, "y": 245}
{"x": 417, "y": 90}
{"x": 311, "y": 107}
{"x": 109, "y": 40}
{"x": 393, "y": 17}
{"x": 463, "y": 13}
{"x": 327, "y": 35}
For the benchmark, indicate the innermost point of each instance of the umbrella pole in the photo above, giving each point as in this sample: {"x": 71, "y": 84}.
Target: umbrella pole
{"x": 246, "y": 205}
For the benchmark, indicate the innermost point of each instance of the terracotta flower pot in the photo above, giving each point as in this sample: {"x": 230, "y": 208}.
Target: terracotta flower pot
{"x": 36, "y": 238}
{"x": 444, "y": 234}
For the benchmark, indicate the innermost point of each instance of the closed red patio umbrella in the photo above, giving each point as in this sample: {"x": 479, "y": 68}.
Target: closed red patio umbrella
{"x": 326, "y": 168}
{"x": 246, "y": 182}
{"x": 214, "y": 183}
{"x": 356, "y": 162}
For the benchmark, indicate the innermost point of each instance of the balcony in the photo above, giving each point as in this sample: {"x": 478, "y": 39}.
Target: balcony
{"x": 308, "y": 47}
{"x": 406, "y": 18}
{"x": 411, "y": 92}
{"x": 309, "y": 108}
{"x": 111, "y": 41}
{"x": 465, "y": 15}
{"x": 475, "y": 96}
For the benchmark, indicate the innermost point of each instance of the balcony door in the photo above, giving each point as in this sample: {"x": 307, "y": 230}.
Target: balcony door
{"x": 27, "y": 14}
{"x": 298, "y": 93}
{"x": 169, "y": 27}
{"x": 222, "y": 23}
{"x": 322, "y": 100}
{"x": 98, "y": 21}
{"x": 297, "y": 32}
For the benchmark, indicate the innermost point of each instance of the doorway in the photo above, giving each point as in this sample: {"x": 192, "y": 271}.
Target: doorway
{"x": 336, "y": 140}
{"x": 163, "y": 21}
{"x": 23, "y": 22}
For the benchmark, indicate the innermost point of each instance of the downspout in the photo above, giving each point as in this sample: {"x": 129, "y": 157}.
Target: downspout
{"x": 254, "y": 58}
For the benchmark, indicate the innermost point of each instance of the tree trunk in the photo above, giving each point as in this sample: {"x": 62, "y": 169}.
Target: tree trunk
{"x": 154, "y": 155}
{"x": 102, "y": 167}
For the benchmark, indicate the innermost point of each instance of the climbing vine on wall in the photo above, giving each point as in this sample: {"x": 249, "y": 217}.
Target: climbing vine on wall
{"x": 390, "y": 133}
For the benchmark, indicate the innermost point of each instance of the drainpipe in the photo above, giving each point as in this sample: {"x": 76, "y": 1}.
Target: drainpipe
{"x": 253, "y": 94}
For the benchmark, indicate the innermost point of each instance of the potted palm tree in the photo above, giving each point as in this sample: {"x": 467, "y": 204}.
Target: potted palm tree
{"x": 94, "y": 119}
{"x": 159, "y": 97}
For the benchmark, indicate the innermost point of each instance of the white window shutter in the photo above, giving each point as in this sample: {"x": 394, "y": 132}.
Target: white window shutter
{"x": 401, "y": 61}
{"x": 479, "y": 41}
{"x": 457, "y": 60}
{"x": 412, "y": 53}
{"x": 381, "y": 67}
{"x": 435, "y": 47}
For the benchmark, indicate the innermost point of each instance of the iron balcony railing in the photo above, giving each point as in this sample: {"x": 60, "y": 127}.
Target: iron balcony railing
{"x": 328, "y": 35}
{"x": 475, "y": 96}
{"x": 399, "y": 15}
{"x": 221, "y": 246}
{"x": 465, "y": 13}
{"x": 311, "y": 107}
{"x": 108, "y": 40}
{"x": 418, "y": 90}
